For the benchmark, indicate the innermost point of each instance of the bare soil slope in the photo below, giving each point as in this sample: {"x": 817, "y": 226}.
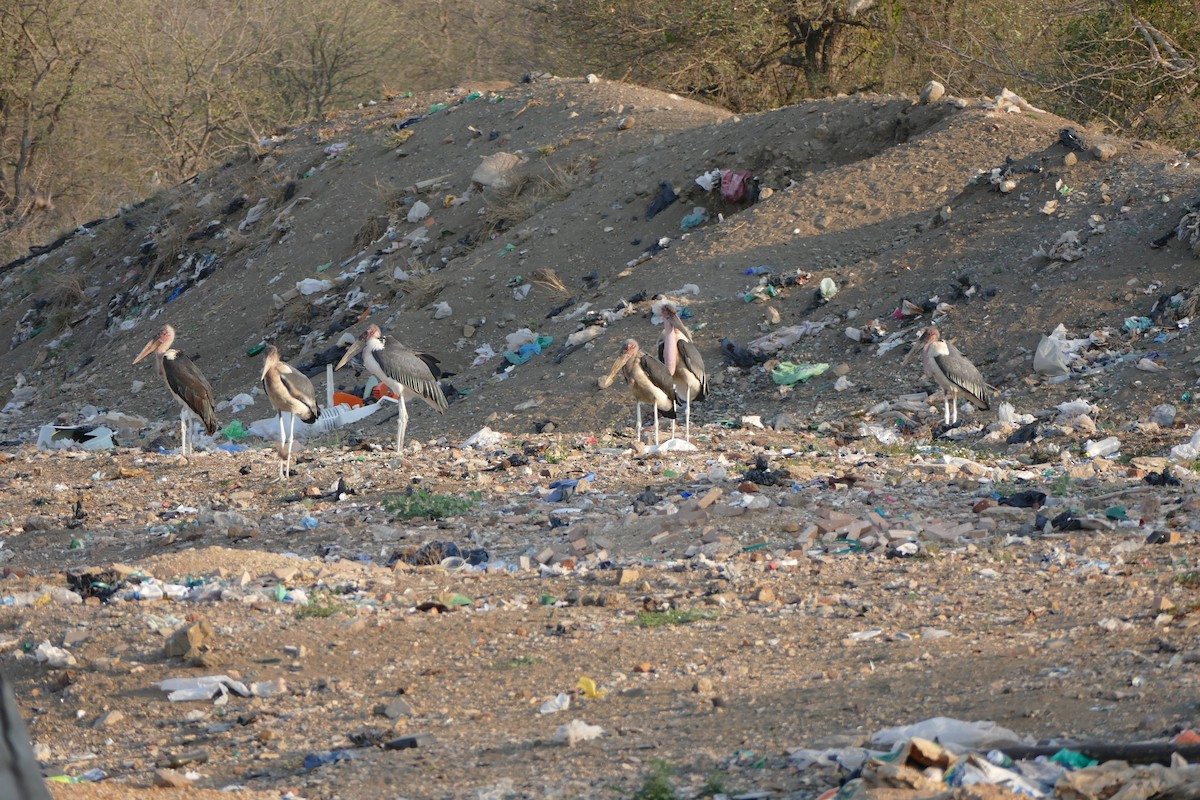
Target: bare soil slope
{"x": 774, "y": 589}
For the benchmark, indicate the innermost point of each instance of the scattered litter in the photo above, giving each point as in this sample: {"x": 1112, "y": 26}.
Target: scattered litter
{"x": 786, "y": 373}
{"x": 311, "y": 286}
{"x": 484, "y": 439}
{"x": 83, "y": 437}
{"x": 559, "y": 703}
{"x": 576, "y": 731}
{"x": 672, "y": 445}
{"x": 666, "y": 196}
{"x": 954, "y": 734}
{"x": 52, "y": 656}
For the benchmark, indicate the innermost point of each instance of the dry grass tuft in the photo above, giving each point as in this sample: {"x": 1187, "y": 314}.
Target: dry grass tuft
{"x": 398, "y": 138}
{"x": 67, "y": 297}
{"x": 529, "y": 194}
{"x": 374, "y": 226}
{"x": 548, "y": 279}
{"x": 422, "y": 289}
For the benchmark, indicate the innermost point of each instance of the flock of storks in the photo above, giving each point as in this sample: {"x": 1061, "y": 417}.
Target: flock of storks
{"x": 677, "y": 376}
{"x": 406, "y": 373}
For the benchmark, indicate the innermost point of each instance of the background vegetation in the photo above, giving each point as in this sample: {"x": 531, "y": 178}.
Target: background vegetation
{"x": 103, "y": 100}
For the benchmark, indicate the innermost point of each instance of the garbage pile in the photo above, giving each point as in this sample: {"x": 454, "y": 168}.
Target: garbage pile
{"x": 940, "y": 754}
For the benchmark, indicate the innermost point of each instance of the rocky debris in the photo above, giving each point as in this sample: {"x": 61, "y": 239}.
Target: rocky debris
{"x": 190, "y": 641}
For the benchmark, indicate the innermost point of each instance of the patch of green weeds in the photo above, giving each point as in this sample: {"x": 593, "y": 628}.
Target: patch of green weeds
{"x": 424, "y": 503}
{"x": 320, "y": 607}
{"x": 657, "y": 785}
{"x": 517, "y": 663}
{"x": 1189, "y": 580}
{"x": 1061, "y": 486}
{"x": 674, "y": 616}
{"x": 714, "y": 784}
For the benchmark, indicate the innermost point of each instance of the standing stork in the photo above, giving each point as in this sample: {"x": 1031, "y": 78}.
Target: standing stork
{"x": 649, "y": 380}
{"x": 683, "y": 361}
{"x": 290, "y": 392}
{"x": 406, "y": 372}
{"x": 952, "y": 371}
{"x": 185, "y": 383}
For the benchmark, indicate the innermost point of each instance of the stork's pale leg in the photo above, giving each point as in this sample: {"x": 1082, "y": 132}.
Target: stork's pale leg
{"x": 282, "y": 445}
{"x": 656, "y": 424}
{"x": 291, "y": 441}
{"x": 687, "y": 421}
{"x": 403, "y": 424}
{"x": 672, "y": 429}
{"x": 954, "y": 408}
{"x": 638, "y": 430}
{"x": 184, "y": 419}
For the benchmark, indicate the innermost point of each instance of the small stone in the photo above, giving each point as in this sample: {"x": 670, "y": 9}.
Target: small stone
{"x": 703, "y": 686}
{"x": 295, "y": 651}
{"x": 1163, "y": 605}
{"x": 394, "y": 710}
{"x": 1104, "y": 151}
{"x": 932, "y": 92}
{"x": 626, "y": 576}
{"x": 171, "y": 779}
{"x": 644, "y": 668}
{"x": 625, "y": 123}
{"x": 108, "y": 719}
{"x": 1070, "y": 159}
{"x": 285, "y": 574}
{"x": 763, "y": 594}
{"x": 75, "y": 636}
{"x": 188, "y": 641}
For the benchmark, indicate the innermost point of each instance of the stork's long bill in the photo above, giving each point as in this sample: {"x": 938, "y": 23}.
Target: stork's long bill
{"x": 351, "y": 351}
{"x": 618, "y": 365}
{"x": 371, "y": 332}
{"x": 159, "y": 344}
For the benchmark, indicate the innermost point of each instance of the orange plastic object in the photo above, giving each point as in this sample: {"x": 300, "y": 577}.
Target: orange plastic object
{"x": 1187, "y": 737}
{"x": 381, "y": 390}
{"x": 342, "y": 397}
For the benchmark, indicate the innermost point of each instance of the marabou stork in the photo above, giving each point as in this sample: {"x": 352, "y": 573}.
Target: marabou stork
{"x": 683, "y": 361}
{"x": 185, "y": 383}
{"x": 952, "y": 371}
{"x": 406, "y": 372}
{"x": 290, "y": 392}
{"x": 649, "y": 380}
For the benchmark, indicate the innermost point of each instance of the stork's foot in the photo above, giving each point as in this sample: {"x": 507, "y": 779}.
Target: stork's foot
{"x": 940, "y": 430}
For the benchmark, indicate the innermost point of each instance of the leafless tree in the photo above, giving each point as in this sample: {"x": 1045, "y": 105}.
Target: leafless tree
{"x": 42, "y": 54}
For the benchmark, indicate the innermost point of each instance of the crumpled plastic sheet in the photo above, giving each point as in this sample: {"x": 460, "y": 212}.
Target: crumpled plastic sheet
{"x": 565, "y": 488}
{"x": 955, "y": 735}
{"x": 786, "y": 373}
{"x": 780, "y": 338}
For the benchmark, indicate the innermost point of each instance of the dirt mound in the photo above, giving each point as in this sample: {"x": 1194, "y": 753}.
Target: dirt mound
{"x": 892, "y": 200}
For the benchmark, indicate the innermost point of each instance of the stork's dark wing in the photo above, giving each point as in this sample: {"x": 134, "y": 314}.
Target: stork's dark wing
{"x": 300, "y": 387}
{"x": 435, "y": 366}
{"x": 657, "y": 372}
{"x": 412, "y": 371}
{"x": 189, "y": 384}
{"x": 964, "y": 375}
{"x": 691, "y": 360}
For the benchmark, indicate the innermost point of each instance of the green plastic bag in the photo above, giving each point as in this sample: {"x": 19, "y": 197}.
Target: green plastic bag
{"x": 786, "y": 373}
